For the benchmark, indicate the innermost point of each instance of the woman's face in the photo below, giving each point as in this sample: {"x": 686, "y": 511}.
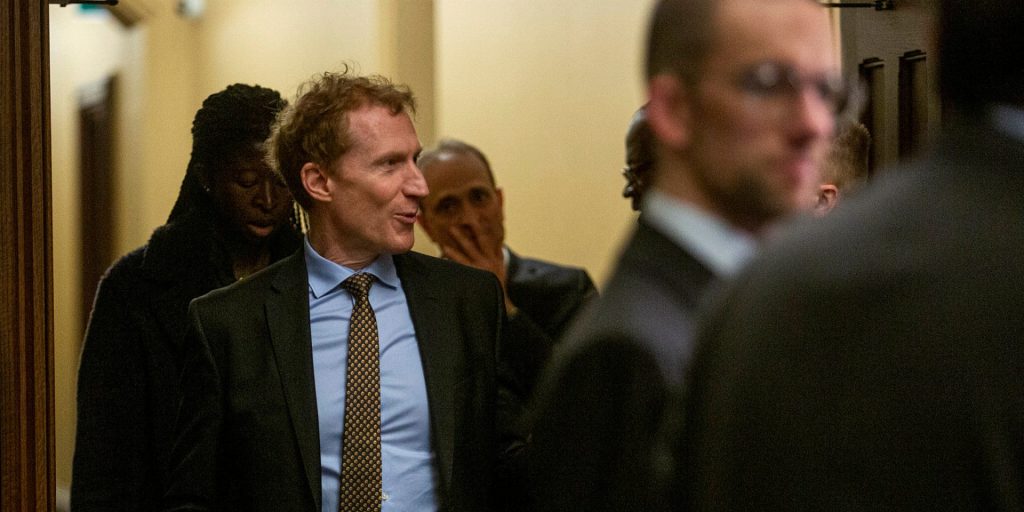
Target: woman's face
{"x": 252, "y": 200}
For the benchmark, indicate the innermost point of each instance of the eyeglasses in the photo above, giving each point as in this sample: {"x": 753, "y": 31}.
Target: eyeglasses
{"x": 775, "y": 85}
{"x": 636, "y": 182}
{"x": 637, "y": 172}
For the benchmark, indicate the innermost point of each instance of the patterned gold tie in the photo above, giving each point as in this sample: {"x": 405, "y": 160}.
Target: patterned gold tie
{"x": 360, "y": 459}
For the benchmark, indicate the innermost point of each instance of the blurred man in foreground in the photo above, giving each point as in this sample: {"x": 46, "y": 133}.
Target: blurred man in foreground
{"x": 742, "y": 98}
{"x": 872, "y": 361}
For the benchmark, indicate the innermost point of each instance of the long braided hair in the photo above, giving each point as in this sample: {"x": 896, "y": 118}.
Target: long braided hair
{"x": 229, "y": 123}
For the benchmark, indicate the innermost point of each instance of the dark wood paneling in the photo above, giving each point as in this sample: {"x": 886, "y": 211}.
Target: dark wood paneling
{"x": 885, "y": 39}
{"x": 872, "y": 72}
{"x": 26, "y": 282}
{"x": 95, "y": 187}
{"x": 913, "y": 85}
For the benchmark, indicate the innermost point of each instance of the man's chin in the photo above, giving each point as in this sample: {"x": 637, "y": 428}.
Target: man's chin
{"x": 402, "y": 245}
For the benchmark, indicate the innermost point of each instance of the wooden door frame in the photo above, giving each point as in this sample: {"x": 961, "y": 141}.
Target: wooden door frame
{"x": 27, "y": 471}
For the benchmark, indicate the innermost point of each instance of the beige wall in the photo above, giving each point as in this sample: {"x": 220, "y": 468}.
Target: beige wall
{"x": 544, "y": 88}
{"x": 161, "y": 63}
{"x": 88, "y": 51}
{"x": 280, "y": 44}
{"x": 155, "y": 79}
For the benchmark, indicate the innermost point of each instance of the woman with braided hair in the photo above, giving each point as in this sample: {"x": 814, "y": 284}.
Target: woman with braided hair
{"x": 233, "y": 216}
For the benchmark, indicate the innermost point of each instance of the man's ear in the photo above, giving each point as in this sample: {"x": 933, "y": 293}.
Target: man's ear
{"x": 668, "y": 111}
{"x": 316, "y": 182}
{"x": 828, "y": 198}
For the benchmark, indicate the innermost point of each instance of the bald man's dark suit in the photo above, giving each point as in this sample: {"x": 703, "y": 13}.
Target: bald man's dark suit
{"x": 875, "y": 361}
{"x": 248, "y": 431}
{"x": 548, "y": 297}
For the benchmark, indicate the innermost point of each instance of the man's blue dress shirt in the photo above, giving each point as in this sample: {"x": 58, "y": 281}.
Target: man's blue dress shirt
{"x": 409, "y": 475}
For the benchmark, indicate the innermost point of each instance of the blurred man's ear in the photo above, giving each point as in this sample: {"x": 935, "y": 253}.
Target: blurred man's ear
{"x": 828, "y": 197}
{"x": 668, "y": 111}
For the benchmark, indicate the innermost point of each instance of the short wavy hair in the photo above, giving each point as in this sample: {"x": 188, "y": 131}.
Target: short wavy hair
{"x": 847, "y": 164}
{"x": 314, "y": 129}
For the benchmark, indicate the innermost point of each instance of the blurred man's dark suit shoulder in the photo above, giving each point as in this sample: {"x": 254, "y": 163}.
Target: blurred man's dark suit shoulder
{"x": 615, "y": 357}
{"x": 549, "y": 297}
{"x": 879, "y": 365}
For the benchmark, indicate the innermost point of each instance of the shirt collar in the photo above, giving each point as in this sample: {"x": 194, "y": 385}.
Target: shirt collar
{"x": 715, "y": 243}
{"x": 326, "y": 275}
{"x": 1009, "y": 120}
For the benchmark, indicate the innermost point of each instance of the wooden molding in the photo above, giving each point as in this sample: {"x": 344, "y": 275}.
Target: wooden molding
{"x": 27, "y": 474}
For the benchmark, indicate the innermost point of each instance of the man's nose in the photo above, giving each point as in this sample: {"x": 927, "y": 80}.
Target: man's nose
{"x": 467, "y": 216}
{"x": 814, "y": 117}
{"x": 416, "y": 184}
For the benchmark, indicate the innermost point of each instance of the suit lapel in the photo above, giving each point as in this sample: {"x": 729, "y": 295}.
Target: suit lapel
{"x": 287, "y": 310}
{"x": 513, "y": 279}
{"x": 658, "y": 256}
{"x": 431, "y": 320}
{"x": 514, "y": 262}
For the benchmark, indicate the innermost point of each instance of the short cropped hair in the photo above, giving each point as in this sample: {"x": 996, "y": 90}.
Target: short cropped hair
{"x": 457, "y": 147}
{"x": 314, "y": 129}
{"x": 680, "y": 36}
{"x": 847, "y": 164}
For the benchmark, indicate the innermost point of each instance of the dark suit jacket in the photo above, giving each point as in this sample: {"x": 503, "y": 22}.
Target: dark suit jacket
{"x": 248, "y": 432}
{"x": 548, "y": 297}
{"x": 874, "y": 361}
{"x": 599, "y": 408}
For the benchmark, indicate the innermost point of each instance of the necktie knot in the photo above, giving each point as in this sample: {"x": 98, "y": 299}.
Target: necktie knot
{"x": 359, "y": 285}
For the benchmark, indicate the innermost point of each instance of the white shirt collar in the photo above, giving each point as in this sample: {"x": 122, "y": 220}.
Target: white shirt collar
{"x": 714, "y": 242}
